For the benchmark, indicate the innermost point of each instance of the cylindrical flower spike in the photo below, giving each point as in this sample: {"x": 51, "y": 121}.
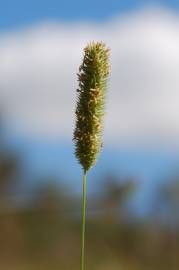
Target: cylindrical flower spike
{"x": 92, "y": 77}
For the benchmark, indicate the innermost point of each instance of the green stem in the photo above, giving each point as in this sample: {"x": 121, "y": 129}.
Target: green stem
{"x": 83, "y": 224}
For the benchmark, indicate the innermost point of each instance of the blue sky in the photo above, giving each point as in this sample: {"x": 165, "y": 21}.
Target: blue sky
{"x": 20, "y": 13}
{"x": 38, "y": 75}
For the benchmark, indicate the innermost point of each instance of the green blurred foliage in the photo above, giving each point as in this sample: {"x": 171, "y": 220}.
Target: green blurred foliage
{"x": 46, "y": 234}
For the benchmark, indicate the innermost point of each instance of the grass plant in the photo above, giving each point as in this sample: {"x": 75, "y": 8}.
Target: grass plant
{"x": 92, "y": 77}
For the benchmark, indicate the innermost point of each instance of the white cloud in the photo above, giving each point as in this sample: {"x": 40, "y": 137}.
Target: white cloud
{"x": 38, "y": 77}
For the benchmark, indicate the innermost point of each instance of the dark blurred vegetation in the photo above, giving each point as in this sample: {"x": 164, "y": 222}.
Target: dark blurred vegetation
{"x": 45, "y": 232}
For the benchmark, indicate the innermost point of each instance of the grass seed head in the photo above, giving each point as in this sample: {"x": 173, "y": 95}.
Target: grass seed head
{"x": 92, "y": 77}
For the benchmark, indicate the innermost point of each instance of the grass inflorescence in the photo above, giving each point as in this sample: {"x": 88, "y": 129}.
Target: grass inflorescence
{"x": 92, "y": 77}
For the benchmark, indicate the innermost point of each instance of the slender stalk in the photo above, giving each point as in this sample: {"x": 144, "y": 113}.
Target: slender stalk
{"x": 83, "y": 224}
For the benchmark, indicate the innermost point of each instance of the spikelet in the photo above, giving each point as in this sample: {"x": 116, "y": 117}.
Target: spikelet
{"x": 92, "y": 77}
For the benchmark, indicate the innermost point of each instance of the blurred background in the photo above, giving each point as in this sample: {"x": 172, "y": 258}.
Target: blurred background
{"x": 133, "y": 191}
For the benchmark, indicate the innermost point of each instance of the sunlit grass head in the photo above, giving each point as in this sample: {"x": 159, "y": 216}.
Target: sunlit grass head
{"x": 92, "y": 77}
